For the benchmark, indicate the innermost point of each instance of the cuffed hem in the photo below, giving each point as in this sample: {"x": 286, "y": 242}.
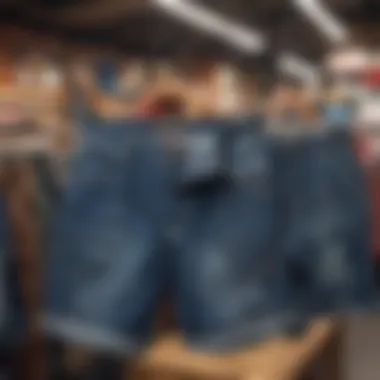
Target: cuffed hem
{"x": 79, "y": 332}
{"x": 250, "y": 333}
{"x": 344, "y": 309}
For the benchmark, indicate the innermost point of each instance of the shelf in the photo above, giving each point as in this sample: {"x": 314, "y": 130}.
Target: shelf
{"x": 278, "y": 359}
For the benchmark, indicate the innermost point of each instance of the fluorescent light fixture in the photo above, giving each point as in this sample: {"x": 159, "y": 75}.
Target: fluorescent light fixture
{"x": 243, "y": 38}
{"x": 297, "y": 68}
{"x": 322, "y": 19}
{"x": 349, "y": 61}
{"x": 301, "y": 70}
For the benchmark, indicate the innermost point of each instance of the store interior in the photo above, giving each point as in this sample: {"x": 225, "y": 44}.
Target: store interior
{"x": 189, "y": 189}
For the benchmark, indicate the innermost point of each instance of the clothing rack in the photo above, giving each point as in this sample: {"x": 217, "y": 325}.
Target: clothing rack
{"x": 18, "y": 186}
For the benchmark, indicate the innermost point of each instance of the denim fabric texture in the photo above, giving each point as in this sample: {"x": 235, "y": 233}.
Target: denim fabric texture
{"x": 105, "y": 233}
{"x": 324, "y": 216}
{"x": 283, "y": 239}
{"x": 203, "y": 157}
{"x": 232, "y": 288}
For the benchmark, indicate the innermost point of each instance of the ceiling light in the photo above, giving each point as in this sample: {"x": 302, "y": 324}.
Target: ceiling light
{"x": 301, "y": 70}
{"x": 243, "y": 38}
{"x": 349, "y": 61}
{"x": 322, "y": 19}
{"x": 297, "y": 68}
{"x": 246, "y": 39}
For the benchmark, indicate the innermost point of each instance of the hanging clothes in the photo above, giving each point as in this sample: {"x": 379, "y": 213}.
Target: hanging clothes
{"x": 107, "y": 77}
{"x": 371, "y": 168}
{"x": 22, "y": 265}
{"x": 338, "y": 113}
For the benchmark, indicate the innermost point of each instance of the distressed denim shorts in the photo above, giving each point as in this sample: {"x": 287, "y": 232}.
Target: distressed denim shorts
{"x": 209, "y": 216}
{"x": 126, "y": 234}
{"x": 324, "y": 215}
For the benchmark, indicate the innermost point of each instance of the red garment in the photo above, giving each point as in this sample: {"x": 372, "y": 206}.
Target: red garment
{"x": 371, "y": 77}
{"x": 162, "y": 106}
{"x": 148, "y": 110}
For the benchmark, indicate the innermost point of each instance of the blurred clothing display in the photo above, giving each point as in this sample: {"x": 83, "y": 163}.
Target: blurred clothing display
{"x": 336, "y": 107}
{"x": 370, "y": 160}
{"x": 7, "y": 72}
{"x": 164, "y": 106}
{"x": 367, "y": 115}
{"x": 107, "y": 74}
{"x": 371, "y": 77}
{"x": 12, "y": 310}
{"x": 337, "y": 113}
{"x": 373, "y": 178}
{"x": 17, "y": 296}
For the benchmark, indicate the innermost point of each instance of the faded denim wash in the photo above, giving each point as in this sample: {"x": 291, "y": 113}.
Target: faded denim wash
{"x": 281, "y": 238}
{"x": 322, "y": 208}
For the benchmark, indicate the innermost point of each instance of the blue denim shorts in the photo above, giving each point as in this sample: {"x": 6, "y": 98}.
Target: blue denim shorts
{"x": 323, "y": 212}
{"x": 126, "y": 235}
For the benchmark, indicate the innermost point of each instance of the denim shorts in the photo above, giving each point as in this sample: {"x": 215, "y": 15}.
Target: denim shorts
{"x": 228, "y": 253}
{"x": 323, "y": 212}
{"x": 124, "y": 237}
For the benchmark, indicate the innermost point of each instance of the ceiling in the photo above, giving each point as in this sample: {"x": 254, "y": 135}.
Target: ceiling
{"x": 137, "y": 28}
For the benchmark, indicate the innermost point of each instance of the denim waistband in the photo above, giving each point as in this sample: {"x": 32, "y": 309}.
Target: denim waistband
{"x": 235, "y": 147}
